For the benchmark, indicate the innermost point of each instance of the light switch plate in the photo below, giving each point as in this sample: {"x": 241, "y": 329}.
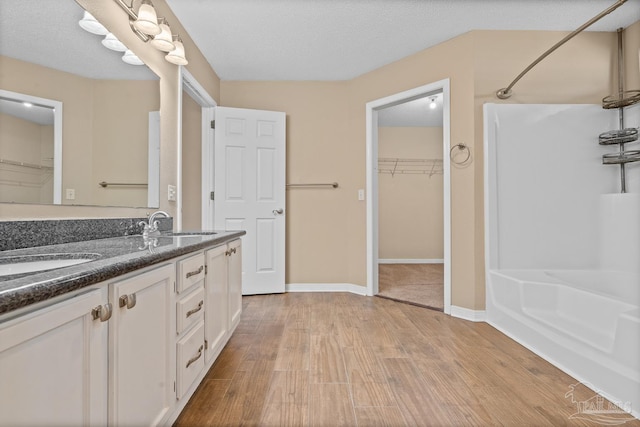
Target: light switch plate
{"x": 361, "y": 194}
{"x": 70, "y": 194}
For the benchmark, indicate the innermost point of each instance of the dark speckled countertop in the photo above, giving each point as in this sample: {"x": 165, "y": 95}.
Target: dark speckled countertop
{"x": 116, "y": 256}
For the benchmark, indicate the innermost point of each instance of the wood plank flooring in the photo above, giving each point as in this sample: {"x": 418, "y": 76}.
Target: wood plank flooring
{"x": 338, "y": 359}
{"x": 418, "y": 284}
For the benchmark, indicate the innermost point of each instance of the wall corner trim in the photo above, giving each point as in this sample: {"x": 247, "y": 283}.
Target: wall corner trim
{"x": 468, "y": 314}
{"x": 326, "y": 287}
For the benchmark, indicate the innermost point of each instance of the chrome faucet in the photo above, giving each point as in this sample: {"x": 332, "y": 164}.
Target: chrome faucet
{"x": 150, "y": 228}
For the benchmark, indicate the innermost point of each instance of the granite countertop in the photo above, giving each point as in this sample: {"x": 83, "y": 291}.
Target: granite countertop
{"x": 113, "y": 257}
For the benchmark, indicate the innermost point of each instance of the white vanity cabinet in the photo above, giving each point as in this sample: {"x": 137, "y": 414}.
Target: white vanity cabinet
{"x": 53, "y": 364}
{"x": 234, "y": 271}
{"x": 190, "y": 322}
{"x": 128, "y": 351}
{"x": 141, "y": 347}
{"x": 223, "y": 295}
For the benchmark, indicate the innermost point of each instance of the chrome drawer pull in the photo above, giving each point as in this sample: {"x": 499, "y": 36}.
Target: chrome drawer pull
{"x": 195, "y": 310}
{"x": 196, "y": 357}
{"x": 127, "y": 300}
{"x": 102, "y": 312}
{"x": 195, "y": 272}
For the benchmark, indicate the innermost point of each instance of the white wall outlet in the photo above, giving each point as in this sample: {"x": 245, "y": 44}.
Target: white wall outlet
{"x": 171, "y": 193}
{"x": 361, "y": 194}
{"x": 70, "y": 194}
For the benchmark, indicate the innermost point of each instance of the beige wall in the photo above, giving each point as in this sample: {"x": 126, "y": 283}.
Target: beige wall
{"x": 191, "y": 164}
{"x": 477, "y": 64}
{"x": 410, "y": 206}
{"x": 631, "y": 43}
{"x": 26, "y": 142}
{"x": 105, "y": 129}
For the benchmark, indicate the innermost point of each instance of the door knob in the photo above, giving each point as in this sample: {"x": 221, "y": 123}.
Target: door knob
{"x": 278, "y": 211}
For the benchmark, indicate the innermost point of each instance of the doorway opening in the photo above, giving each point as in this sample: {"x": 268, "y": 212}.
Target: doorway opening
{"x": 408, "y": 189}
{"x": 195, "y": 156}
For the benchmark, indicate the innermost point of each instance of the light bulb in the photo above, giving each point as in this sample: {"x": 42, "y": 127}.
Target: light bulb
{"x": 91, "y": 24}
{"x": 164, "y": 40}
{"x": 131, "y": 58}
{"x": 433, "y": 104}
{"x": 176, "y": 56}
{"x": 111, "y": 42}
{"x": 147, "y": 21}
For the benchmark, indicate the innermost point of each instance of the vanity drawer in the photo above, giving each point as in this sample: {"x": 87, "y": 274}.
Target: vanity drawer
{"x": 190, "y": 358}
{"x": 190, "y": 309}
{"x": 190, "y": 271}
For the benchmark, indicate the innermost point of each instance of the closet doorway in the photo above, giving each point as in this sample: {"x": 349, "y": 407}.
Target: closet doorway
{"x": 408, "y": 227}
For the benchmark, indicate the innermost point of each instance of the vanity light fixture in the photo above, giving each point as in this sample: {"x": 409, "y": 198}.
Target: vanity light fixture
{"x": 176, "y": 56}
{"x": 91, "y": 24}
{"x": 131, "y": 58}
{"x": 433, "y": 104}
{"x": 164, "y": 40}
{"x": 149, "y": 27}
{"x": 111, "y": 42}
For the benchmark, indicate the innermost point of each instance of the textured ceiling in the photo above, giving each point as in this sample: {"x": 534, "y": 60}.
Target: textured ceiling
{"x": 341, "y": 39}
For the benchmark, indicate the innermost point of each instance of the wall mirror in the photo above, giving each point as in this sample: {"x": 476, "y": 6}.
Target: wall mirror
{"x": 78, "y": 125}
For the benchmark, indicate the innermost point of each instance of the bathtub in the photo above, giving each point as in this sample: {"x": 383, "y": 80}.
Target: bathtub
{"x": 585, "y": 322}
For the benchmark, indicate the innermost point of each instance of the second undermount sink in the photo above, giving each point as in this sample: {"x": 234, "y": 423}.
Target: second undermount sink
{"x": 23, "y": 264}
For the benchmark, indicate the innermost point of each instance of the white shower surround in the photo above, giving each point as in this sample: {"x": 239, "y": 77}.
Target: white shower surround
{"x": 562, "y": 244}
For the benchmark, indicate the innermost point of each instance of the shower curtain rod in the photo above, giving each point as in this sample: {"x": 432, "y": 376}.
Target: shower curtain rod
{"x": 506, "y": 92}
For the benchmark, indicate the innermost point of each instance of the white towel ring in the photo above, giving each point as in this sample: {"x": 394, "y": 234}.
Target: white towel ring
{"x": 461, "y": 146}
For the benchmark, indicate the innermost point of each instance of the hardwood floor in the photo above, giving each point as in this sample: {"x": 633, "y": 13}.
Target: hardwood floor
{"x": 418, "y": 284}
{"x": 338, "y": 359}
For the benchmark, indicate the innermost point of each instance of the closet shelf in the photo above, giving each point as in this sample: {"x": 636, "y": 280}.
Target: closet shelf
{"x": 25, "y": 165}
{"x": 404, "y": 166}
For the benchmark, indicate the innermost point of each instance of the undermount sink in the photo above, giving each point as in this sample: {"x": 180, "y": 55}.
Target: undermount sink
{"x": 191, "y": 233}
{"x": 40, "y": 262}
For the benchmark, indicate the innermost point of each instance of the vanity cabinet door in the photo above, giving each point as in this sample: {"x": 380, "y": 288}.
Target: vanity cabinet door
{"x": 53, "y": 365}
{"x": 142, "y": 348}
{"x": 234, "y": 272}
{"x": 216, "y": 305}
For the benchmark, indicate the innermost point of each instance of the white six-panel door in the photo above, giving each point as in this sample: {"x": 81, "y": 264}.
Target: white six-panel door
{"x": 250, "y": 192}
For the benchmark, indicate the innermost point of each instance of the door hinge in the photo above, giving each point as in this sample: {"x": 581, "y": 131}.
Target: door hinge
{"x": 212, "y": 195}
{"x": 174, "y": 287}
{"x": 174, "y": 386}
{"x": 206, "y": 269}
{"x": 213, "y": 124}
{"x": 206, "y": 344}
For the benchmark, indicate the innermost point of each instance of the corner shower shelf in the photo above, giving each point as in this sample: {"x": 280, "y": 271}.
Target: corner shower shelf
{"x": 625, "y": 99}
{"x": 623, "y": 136}
{"x": 621, "y": 158}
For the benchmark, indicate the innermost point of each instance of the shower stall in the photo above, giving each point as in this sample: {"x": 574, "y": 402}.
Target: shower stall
{"x": 562, "y": 241}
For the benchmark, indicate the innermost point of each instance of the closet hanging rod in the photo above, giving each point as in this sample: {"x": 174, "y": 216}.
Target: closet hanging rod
{"x": 104, "y": 184}
{"x": 506, "y": 92}
{"x": 329, "y": 184}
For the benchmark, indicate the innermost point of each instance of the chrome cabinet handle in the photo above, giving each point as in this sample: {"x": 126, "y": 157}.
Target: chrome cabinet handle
{"x": 127, "y": 300}
{"x": 278, "y": 211}
{"x": 195, "y": 272}
{"x": 102, "y": 312}
{"x": 195, "y": 310}
{"x": 196, "y": 357}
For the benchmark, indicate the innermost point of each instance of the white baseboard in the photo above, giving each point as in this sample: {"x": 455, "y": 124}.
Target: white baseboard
{"x": 410, "y": 261}
{"x": 326, "y": 287}
{"x": 468, "y": 314}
